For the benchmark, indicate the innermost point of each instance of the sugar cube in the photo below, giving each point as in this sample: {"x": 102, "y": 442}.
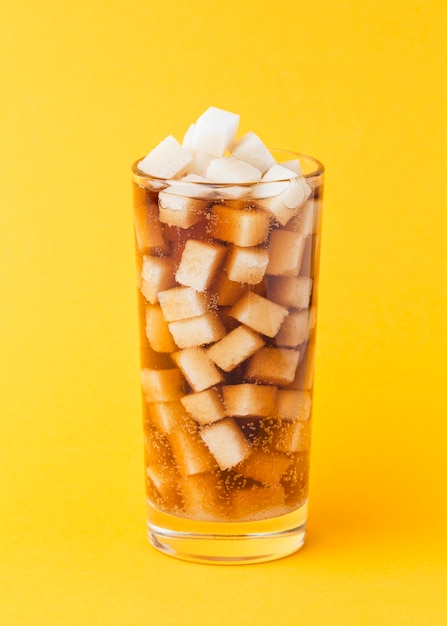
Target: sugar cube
{"x": 215, "y": 131}
{"x": 167, "y": 160}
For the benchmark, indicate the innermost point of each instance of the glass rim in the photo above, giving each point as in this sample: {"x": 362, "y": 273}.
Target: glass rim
{"x": 317, "y": 170}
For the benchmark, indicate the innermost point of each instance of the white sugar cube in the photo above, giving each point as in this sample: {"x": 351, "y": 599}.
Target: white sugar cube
{"x": 286, "y": 204}
{"x": 200, "y": 162}
{"x": 293, "y": 165}
{"x": 251, "y": 149}
{"x": 229, "y": 169}
{"x": 215, "y": 131}
{"x": 278, "y": 172}
{"x": 188, "y": 138}
{"x": 167, "y": 160}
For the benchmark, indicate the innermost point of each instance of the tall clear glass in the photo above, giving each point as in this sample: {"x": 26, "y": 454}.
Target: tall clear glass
{"x": 227, "y": 291}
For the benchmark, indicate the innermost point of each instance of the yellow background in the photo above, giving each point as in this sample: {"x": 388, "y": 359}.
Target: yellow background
{"x": 86, "y": 88}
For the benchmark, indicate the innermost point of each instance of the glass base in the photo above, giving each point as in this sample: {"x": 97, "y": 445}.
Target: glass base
{"x": 228, "y": 543}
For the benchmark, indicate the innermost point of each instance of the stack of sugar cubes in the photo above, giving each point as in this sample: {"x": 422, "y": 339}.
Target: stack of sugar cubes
{"x": 227, "y": 243}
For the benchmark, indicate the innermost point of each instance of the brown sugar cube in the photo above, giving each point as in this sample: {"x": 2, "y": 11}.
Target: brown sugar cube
{"x": 157, "y": 331}
{"x": 275, "y": 366}
{"x": 162, "y": 385}
{"x": 258, "y": 502}
{"x": 259, "y": 313}
{"x": 199, "y": 263}
{"x": 166, "y": 416}
{"x": 190, "y": 453}
{"x": 179, "y": 210}
{"x": 226, "y": 442}
{"x": 294, "y": 330}
{"x": 246, "y": 399}
{"x": 285, "y": 253}
{"x": 243, "y": 227}
{"x": 264, "y": 467}
{"x": 181, "y": 303}
{"x": 197, "y": 331}
{"x": 246, "y": 265}
{"x": 226, "y": 292}
{"x": 304, "y": 221}
{"x": 198, "y": 369}
{"x": 235, "y": 348}
{"x": 293, "y": 405}
{"x": 204, "y": 497}
{"x": 148, "y": 230}
{"x": 157, "y": 274}
{"x": 290, "y": 291}
{"x": 293, "y": 437}
{"x": 205, "y": 406}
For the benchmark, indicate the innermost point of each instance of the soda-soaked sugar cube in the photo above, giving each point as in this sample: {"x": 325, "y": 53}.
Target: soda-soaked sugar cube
{"x": 235, "y": 348}
{"x": 205, "y": 406}
{"x": 293, "y": 437}
{"x": 179, "y": 210}
{"x": 252, "y": 150}
{"x": 259, "y": 313}
{"x": 161, "y": 473}
{"x": 166, "y": 416}
{"x": 199, "y": 263}
{"x": 204, "y": 497}
{"x": 264, "y": 467}
{"x": 274, "y": 366}
{"x": 304, "y": 220}
{"x": 228, "y": 169}
{"x": 225, "y": 292}
{"x": 243, "y": 227}
{"x": 181, "y": 303}
{"x": 285, "y": 253}
{"x": 157, "y": 331}
{"x": 148, "y": 230}
{"x": 294, "y": 330}
{"x": 285, "y": 204}
{"x": 290, "y": 291}
{"x": 163, "y": 487}
{"x": 197, "y": 331}
{"x": 162, "y": 385}
{"x": 157, "y": 274}
{"x": 190, "y": 453}
{"x": 245, "y": 399}
{"x": 198, "y": 369}
{"x": 167, "y": 160}
{"x": 304, "y": 374}
{"x": 246, "y": 265}
{"x": 293, "y": 404}
{"x": 214, "y": 131}
{"x": 226, "y": 442}
{"x": 258, "y": 502}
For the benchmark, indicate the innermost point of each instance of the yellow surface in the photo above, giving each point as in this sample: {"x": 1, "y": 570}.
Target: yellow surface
{"x": 86, "y": 88}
